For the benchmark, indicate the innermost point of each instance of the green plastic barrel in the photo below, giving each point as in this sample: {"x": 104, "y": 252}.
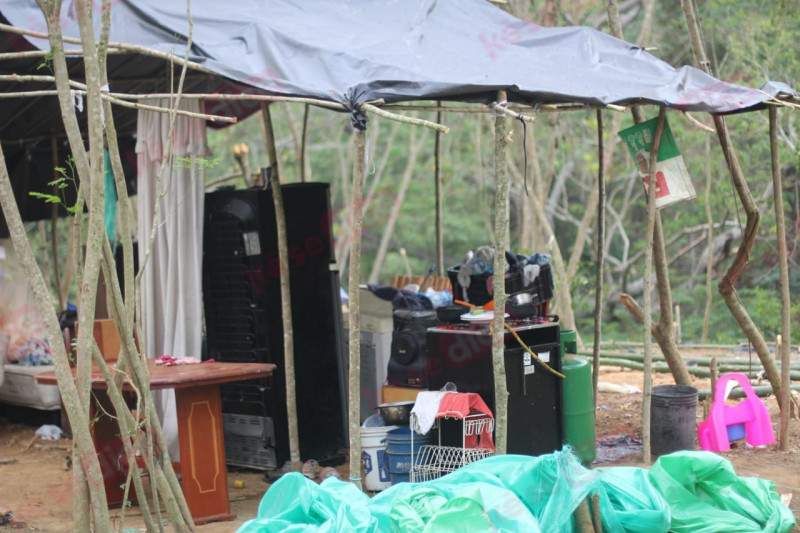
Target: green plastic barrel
{"x": 569, "y": 342}
{"x": 578, "y": 403}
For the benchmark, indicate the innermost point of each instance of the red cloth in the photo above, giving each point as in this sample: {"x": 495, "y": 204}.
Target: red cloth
{"x": 459, "y": 405}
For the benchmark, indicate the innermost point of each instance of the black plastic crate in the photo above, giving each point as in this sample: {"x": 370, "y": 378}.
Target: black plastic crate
{"x": 478, "y": 293}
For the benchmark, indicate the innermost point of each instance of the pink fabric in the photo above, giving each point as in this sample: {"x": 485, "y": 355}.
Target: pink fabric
{"x": 459, "y": 405}
{"x": 168, "y": 360}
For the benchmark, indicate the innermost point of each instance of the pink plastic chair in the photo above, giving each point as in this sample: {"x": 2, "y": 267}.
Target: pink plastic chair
{"x": 712, "y": 433}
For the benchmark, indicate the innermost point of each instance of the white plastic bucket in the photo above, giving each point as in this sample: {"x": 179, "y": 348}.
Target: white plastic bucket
{"x": 374, "y": 460}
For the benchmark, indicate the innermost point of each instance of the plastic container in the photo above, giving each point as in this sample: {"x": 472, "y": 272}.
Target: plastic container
{"x": 569, "y": 342}
{"x": 578, "y": 404}
{"x": 673, "y": 418}
{"x": 398, "y": 450}
{"x": 375, "y": 461}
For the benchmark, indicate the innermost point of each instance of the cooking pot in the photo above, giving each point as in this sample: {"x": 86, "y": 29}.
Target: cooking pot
{"x": 451, "y": 313}
{"x": 396, "y": 413}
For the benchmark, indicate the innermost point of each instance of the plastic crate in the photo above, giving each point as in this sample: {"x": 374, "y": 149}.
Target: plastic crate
{"x": 251, "y": 452}
{"x": 478, "y": 291}
{"x": 249, "y": 441}
{"x": 245, "y": 425}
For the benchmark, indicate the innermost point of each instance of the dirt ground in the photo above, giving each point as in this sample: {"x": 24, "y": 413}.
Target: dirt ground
{"x": 36, "y": 485}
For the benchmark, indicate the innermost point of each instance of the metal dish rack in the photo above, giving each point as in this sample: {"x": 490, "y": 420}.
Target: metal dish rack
{"x": 434, "y": 461}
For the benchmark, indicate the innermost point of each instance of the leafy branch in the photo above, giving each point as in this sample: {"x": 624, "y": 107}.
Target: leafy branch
{"x": 65, "y": 178}
{"x": 189, "y": 162}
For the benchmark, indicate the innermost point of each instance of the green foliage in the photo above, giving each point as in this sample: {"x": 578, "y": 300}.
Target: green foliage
{"x": 47, "y": 62}
{"x": 195, "y": 162}
{"x": 65, "y": 179}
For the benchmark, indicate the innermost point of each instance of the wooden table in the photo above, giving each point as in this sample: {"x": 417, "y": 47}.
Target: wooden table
{"x": 204, "y": 478}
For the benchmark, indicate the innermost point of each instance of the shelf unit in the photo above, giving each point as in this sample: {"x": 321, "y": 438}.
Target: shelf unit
{"x": 434, "y": 461}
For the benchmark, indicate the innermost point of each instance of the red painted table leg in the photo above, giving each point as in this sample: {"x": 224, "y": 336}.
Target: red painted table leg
{"x": 203, "y": 476}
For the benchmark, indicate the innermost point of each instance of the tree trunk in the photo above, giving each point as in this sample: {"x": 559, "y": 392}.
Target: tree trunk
{"x": 667, "y": 336}
{"x": 92, "y": 185}
{"x": 54, "y": 229}
{"x": 726, "y": 285}
{"x": 354, "y": 314}
{"x": 648, "y": 266}
{"x": 710, "y": 258}
{"x": 786, "y": 324}
{"x": 288, "y": 331}
{"x": 601, "y": 232}
{"x": 286, "y": 297}
{"x": 437, "y": 179}
{"x": 501, "y": 139}
{"x": 305, "y": 166}
{"x": 84, "y": 447}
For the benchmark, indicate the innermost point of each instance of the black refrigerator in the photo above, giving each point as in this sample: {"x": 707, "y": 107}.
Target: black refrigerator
{"x": 462, "y": 354}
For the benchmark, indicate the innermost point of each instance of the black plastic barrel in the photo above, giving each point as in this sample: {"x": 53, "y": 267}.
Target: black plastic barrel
{"x": 673, "y": 418}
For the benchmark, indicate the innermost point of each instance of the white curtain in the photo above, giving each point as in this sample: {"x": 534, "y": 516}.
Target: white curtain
{"x": 171, "y": 284}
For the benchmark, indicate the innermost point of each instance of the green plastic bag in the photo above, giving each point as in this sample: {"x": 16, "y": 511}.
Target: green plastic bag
{"x": 636, "y": 505}
{"x": 294, "y": 503}
{"x": 705, "y": 495}
{"x": 551, "y": 486}
{"x": 504, "y": 494}
{"x": 463, "y": 501}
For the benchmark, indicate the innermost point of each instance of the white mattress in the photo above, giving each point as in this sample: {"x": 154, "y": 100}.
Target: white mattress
{"x": 20, "y": 388}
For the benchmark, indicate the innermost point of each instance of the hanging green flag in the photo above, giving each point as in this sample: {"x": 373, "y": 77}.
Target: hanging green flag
{"x": 673, "y": 183}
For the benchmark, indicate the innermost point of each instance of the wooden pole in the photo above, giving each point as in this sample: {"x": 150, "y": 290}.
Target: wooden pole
{"x": 288, "y": 329}
{"x": 710, "y": 241}
{"x": 597, "y": 519}
{"x": 648, "y": 277}
{"x": 54, "y": 228}
{"x": 286, "y": 297}
{"x": 354, "y": 314}
{"x": 501, "y": 140}
{"x": 786, "y": 324}
{"x": 437, "y": 176}
{"x": 369, "y": 108}
{"x": 305, "y": 170}
{"x": 583, "y": 519}
{"x": 714, "y": 373}
{"x": 601, "y": 241}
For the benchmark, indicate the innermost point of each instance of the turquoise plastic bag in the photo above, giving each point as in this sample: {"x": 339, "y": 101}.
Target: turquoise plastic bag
{"x": 471, "y": 501}
{"x": 550, "y": 486}
{"x": 705, "y": 496}
{"x": 637, "y": 505}
{"x": 295, "y": 503}
{"x": 504, "y": 494}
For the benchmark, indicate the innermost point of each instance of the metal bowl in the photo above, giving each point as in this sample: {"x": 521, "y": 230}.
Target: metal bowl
{"x": 396, "y": 413}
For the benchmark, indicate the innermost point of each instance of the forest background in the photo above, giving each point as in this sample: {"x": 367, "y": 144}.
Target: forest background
{"x": 748, "y": 41}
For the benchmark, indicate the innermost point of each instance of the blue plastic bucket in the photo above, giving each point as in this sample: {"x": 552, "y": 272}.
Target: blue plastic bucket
{"x": 398, "y": 448}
